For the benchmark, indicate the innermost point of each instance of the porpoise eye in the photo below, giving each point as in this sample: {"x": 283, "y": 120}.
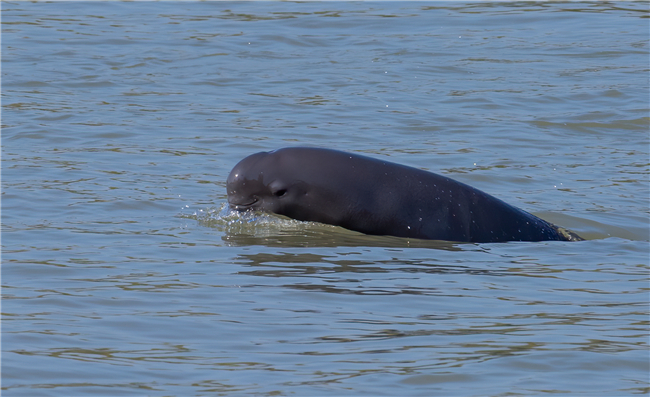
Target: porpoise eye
{"x": 280, "y": 192}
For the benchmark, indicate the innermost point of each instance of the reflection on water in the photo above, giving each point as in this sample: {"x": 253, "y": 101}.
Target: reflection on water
{"x": 291, "y": 264}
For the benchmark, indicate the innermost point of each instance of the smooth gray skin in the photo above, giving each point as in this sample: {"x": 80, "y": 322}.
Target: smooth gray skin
{"x": 378, "y": 197}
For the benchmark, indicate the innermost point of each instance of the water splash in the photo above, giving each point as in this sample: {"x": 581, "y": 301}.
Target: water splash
{"x": 233, "y": 222}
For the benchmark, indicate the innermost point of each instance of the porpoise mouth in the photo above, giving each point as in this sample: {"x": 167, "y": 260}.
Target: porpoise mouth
{"x": 243, "y": 206}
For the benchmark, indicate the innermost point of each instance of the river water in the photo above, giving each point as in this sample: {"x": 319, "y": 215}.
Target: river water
{"x": 124, "y": 273}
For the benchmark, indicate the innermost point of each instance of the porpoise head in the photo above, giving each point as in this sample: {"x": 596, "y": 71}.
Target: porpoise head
{"x": 301, "y": 183}
{"x": 267, "y": 182}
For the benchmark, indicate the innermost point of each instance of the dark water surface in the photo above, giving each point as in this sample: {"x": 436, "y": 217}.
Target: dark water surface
{"x": 124, "y": 274}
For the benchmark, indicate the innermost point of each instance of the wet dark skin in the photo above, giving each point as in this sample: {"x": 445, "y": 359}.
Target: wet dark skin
{"x": 378, "y": 197}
